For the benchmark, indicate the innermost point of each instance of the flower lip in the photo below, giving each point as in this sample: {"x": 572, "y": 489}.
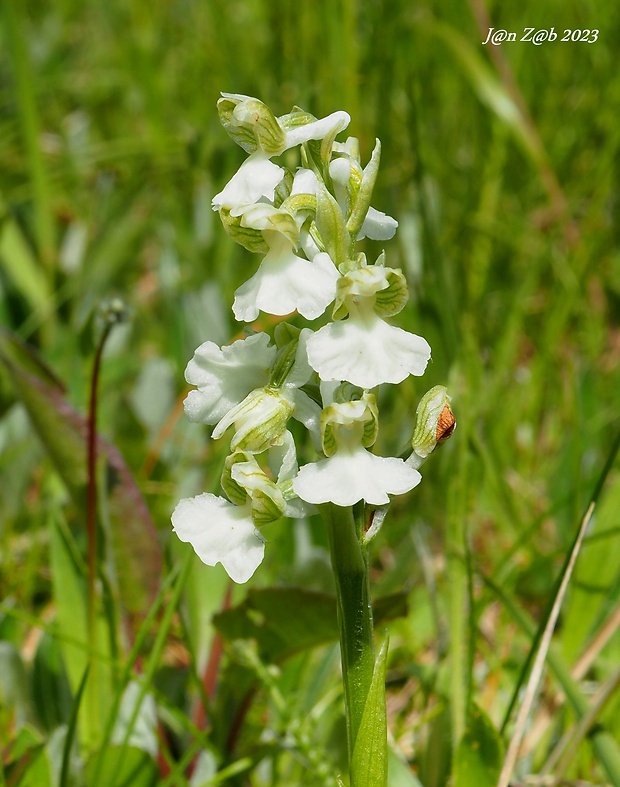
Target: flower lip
{"x": 345, "y": 479}
{"x": 285, "y": 283}
{"x": 367, "y": 352}
{"x": 220, "y": 532}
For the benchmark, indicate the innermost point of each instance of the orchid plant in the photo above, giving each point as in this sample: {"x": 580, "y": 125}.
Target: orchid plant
{"x": 305, "y": 224}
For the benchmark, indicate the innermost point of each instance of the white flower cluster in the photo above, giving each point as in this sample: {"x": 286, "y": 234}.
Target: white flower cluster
{"x": 305, "y": 224}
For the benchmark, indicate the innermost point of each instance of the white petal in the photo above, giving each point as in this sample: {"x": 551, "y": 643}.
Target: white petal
{"x": 283, "y": 459}
{"x": 220, "y": 532}
{"x": 340, "y": 171}
{"x": 378, "y": 226}
{"x": 367, "y": 353}
{"x": 304, "y": 182}
{"x": 316, "y": 130}
{"x": 225, "y": 376}
{"x": 308, "y": 412}
{"x": 308, "y": 245}
{"x": 344, "y": 479}
{"x": 301, "y": 370}
{"x": 259, "y": 216}
{"x": 285, "y": 283}
{"x": 328, "y": 389}
{"x": 257, "y": 177}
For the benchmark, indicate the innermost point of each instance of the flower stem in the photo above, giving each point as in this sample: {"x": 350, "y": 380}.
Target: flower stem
{"x": 350, "y": 565}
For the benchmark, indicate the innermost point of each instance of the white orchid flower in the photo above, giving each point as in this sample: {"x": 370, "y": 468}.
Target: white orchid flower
{"x": 350, "y": 473}
{"x": 221, "y": 531}
{"x": 364, "y": 349}
{"x": 284, "y": 282}
{"x": 253, "y": 126}
{"x": 261, "y": 417}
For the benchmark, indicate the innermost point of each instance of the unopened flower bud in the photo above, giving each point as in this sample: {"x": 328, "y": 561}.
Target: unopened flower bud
{"x": 251, "y": 124}
{"x": 346, "y": 175}
{"x": 435, "y": 423}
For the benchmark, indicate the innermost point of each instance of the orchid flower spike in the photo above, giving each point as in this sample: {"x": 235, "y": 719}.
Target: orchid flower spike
{"x": 304, "y": 222}
{"x": 284, "y": 282}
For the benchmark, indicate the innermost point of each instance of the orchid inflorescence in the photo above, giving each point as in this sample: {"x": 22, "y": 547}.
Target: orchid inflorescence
{"x": 306, "y": 224}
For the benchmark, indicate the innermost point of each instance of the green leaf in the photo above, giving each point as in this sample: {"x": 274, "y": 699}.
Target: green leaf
{"x": 24, "y": 761}
{"x": 69, "y": 585}
{"x": 69, "y": 592}
{"x": 286, "y": 621}
{"x": 400, "y": 773}
{"x": 489, "y": 89}
{"x": 435, "y": 758}
{"x": 50, "y": 686}
{"x": 283, "y": 621}
{"x": 369, "y": 763}
{"x": 14, "y": 695}
{"x": 62, "y": 430}
{"x": 19, "y": 263}
{"x": 124, "y": 767}
{"x": 65, "y": 762}
{"x": 479, "y": 755}
{"x": 596, "y": 576}
{"x": 56, "y": 424}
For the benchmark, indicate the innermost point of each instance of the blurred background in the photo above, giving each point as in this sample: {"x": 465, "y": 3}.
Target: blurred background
{"x": 501, "y": 166}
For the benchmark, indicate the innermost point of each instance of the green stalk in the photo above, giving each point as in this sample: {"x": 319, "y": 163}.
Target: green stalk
{"x": 357, "y": 652}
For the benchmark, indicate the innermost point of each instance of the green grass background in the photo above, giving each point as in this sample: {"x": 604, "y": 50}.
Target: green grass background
{"x": 501, "y": 165}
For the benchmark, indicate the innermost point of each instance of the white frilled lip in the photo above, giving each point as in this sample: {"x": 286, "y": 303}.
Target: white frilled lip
{"x": 255, "y": 179}
{"x": 220, "y": 532}
{"x": 348, "y": 477}
{"x": 285, "y": 283}
{"x": 224, "y": 376}
{"x": 367, "y": 352}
